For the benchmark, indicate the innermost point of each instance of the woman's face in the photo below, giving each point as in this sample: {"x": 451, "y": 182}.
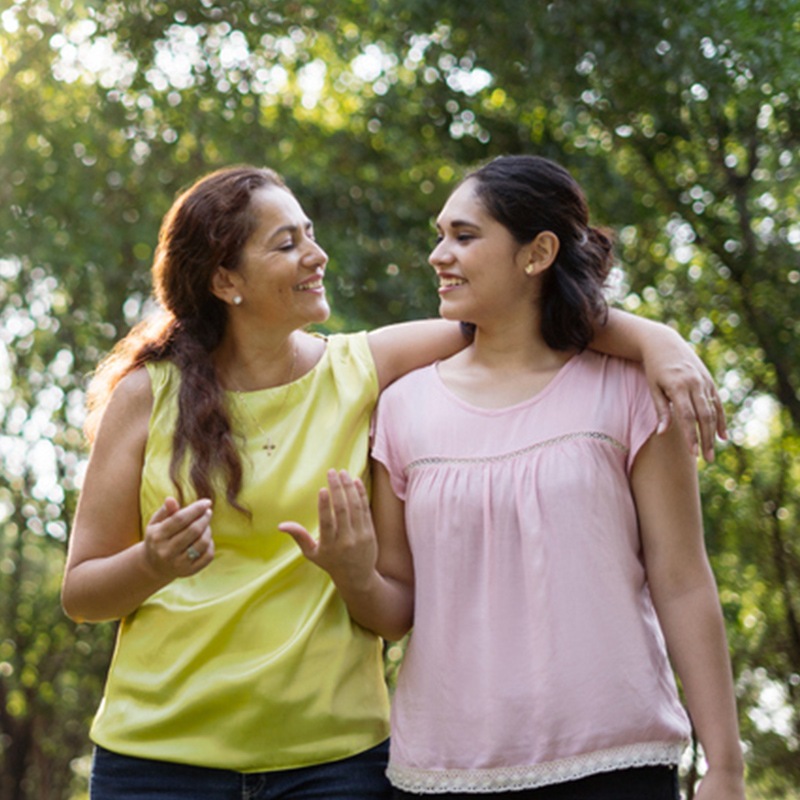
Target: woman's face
{"x": 281, "y": 268}
{"x": 481, "y": 267}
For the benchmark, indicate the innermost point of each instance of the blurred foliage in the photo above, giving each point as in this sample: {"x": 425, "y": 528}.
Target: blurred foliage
{"x": 680, "y": 119}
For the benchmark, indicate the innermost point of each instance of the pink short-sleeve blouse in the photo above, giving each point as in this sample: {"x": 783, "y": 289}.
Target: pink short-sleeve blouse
{"x": 536, "y": 655}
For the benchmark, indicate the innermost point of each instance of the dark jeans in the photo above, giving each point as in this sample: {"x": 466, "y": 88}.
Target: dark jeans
{"x": 641, "y": 783}
{"x": 118, "y": 777}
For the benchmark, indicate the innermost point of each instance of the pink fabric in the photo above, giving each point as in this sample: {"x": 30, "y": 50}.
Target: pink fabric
{"x": 535, "y": 639}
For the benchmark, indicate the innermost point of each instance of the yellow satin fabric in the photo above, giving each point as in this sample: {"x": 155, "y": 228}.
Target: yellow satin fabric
{"x": 254, "y": 664}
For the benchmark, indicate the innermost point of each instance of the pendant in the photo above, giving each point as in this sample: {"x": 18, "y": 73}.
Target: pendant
{"x": 269, "y": 446}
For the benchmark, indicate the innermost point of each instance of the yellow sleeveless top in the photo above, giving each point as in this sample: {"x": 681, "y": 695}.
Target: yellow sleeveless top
{"x": 254, "y": 664}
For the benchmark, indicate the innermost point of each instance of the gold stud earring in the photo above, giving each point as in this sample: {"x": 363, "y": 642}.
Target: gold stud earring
{"x": 530, "y": 269}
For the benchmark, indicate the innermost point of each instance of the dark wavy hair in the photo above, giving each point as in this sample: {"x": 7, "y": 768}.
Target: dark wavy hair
{"x": 529, "y": 195}
{"x": 207, "y": 226}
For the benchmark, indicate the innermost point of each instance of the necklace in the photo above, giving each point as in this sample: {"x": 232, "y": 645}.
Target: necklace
{"x": 269, "y": 446}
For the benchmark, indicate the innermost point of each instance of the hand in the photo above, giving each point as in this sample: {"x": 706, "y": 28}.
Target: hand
{"x": 178, "y": 541}
{"x": 678, "y": 377}
{"x": 720, "y": 784}
{"x": 347, "y": 548}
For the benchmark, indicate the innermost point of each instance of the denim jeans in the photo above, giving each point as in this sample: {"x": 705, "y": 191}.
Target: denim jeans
{"x": 118, "y": 777}
{"x": 640, "y": 783}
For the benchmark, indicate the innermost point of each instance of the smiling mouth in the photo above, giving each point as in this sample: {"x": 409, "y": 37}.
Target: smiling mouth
{"x": 309, "y": 286}
{"x": 446, "y": 283}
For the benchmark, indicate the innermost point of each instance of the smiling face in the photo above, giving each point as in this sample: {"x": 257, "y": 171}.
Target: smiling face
{"x": 281, "y": 268}
{"x": 481, "y": 267}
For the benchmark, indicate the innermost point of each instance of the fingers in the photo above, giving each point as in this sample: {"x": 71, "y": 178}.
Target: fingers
{"x": 343, "y": 508}
{"x": 179, "y": 541}
{"x": 168, "y": 508}
{"x": 363, "y": 505}
{"x": 686, "y": 411}
{"x": 662, "y": 410}
{"x": 701, "y": 417}
{"x": 305, "y": 541}
{"x": 193, "y": 545}
{"x": 340, "y": 484}
{"x": 200, "y": 553}
{"x": 327, "y": 518}
{"x": 706, "y": 411}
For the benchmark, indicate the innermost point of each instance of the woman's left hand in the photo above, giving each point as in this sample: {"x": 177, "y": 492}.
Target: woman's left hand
{"x": 347, "y": 548}
{"x": 682, "y": 387}
{"x": 718, "y": 784}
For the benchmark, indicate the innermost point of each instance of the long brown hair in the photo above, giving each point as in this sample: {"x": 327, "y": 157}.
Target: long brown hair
{"x": 206, "y": 227}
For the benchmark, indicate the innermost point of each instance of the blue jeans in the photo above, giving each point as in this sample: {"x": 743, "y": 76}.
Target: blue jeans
{"x": 118, "y": 777}
{"x": 640, "y": 783}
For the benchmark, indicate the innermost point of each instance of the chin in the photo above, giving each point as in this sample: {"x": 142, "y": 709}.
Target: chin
{"x": 321, "y": 314}
{"x": 449, "y": 311}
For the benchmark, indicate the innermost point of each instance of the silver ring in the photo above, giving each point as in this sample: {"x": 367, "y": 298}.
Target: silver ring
{"x": 192, "y": 553}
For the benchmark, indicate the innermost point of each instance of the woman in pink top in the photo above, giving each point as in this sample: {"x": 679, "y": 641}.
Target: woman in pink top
{"x": 547, "y": 547}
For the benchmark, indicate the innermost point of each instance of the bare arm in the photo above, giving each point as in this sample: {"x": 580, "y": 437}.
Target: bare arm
{"x": 110, "y": 568}
{"x": 398, "y": 349}
{"x": 685, "y": 596}
{"x": 373, "y": 573}
{"x": 674, "y": 372}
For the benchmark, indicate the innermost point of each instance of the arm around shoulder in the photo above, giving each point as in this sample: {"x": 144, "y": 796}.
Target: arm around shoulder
{"x": 679, "y": 381}
{"x": 398, "y": 349}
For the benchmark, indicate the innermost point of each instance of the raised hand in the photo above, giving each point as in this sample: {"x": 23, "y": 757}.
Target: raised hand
{"x": 178, "y": 541}
{"x": 347, "y": 548}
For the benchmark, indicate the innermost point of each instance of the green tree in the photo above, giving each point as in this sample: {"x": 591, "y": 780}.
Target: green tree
{"x": 680, "y": 120}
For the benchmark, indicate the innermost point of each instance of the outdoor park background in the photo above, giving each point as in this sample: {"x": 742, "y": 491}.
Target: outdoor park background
{"x": 681, "y": 119}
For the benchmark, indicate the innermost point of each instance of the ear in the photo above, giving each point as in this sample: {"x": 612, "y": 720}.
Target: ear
{"x": 542, "y": 252}
{"x": 225, "y": 286}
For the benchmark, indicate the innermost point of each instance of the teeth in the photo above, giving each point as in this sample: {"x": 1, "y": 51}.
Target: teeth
{"x": 451, "y": 281}
{"x": 307, "y": 286}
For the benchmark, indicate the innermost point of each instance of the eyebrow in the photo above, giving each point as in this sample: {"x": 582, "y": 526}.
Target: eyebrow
{"x": 460, "y": 223}
{"x": 291, "y": 228}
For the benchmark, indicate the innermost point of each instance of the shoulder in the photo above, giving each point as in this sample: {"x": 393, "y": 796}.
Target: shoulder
{"x": 350, "y": 349}
{"x": 346, "y": 344}
{"x": 349, "y": 361}
{"x": 610, "y": 370}
{"x": 131, "y": 402}
{"x": 127, "y": 413}
{"x": 410, "y": 399}
{"x": 135, "y": 389}
{"x": 608, "y": 391}
{"x": 411, "y": 385}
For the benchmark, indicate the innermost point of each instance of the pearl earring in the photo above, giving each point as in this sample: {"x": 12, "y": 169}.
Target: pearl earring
{"x": 237, "y": 301}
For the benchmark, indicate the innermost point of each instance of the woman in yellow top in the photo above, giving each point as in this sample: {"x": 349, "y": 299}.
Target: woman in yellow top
{"x": 238, "y": 671}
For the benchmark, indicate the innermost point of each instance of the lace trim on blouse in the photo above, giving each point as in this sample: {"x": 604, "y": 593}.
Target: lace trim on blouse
{"x": 500, "y": 779}
{"x": 568, "y": 437}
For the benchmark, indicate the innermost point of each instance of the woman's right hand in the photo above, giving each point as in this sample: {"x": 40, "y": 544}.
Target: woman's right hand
{"x": 178, "y": 541}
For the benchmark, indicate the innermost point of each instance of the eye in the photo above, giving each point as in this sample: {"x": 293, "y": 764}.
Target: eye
{"x": 437, "y": 239}
{"x": 286, "y": 246}
{"x": 465, "y": 237}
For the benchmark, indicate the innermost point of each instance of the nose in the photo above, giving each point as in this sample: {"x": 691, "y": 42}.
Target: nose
{"x": 440, "y": 255}
{"x": 314, "y": 256}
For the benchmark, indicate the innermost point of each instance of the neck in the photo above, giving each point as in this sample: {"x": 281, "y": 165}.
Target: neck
{"x": 513, "y": 344}
{"x": 246, "y": 364}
